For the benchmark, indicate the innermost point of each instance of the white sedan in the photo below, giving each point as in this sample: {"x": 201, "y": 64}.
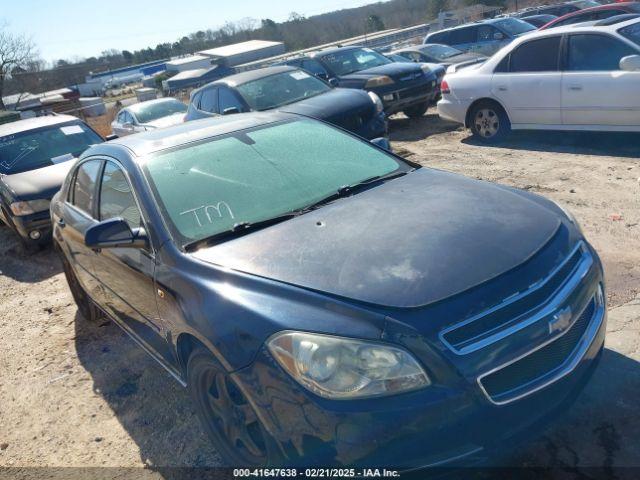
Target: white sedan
{"x": 149, "y": 115}
{"x": 567, "y": 78}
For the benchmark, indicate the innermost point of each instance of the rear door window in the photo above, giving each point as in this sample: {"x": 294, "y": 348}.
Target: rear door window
{"x": 228, "y": 99}
{"x": 590, "y": 52}
{"x": 116, "y": 197}
{"x": 536, "y": 56}
{"x": 84, "y": 186}
{"x": 209, "y": 100}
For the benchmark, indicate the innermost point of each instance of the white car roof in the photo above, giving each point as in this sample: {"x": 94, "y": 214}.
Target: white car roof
{"x": 32, "y": 123}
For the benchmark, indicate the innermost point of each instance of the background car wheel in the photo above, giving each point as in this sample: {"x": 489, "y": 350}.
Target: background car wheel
{"x": 227, "y": 416}
{"x": 85, "y": 305}
{"x": 489, "y": 122}
{"x": 417, "y": 110}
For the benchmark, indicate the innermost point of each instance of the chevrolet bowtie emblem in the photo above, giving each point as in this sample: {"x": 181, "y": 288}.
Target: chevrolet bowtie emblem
{"x": 560, "y": 321}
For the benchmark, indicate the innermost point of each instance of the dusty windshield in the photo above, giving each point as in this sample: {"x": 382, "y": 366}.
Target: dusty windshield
{"x": 255, "y": 175}
{"x": 43, "y": 147}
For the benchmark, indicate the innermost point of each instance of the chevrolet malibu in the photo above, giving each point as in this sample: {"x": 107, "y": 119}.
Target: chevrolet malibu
{"x": 326, "y": 302}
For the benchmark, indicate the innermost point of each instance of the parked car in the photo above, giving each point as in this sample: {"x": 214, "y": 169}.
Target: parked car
{"x": 299, "y": 282}
{"x": 539, "y": 20}
{"x": 35, "y": 156}
{"x": 485, "y": 37}
{"x": 593, "y": 14}
{"x": 558, "y": 9}
{"x": 403, "y": 87}
{"x": 143, "y": 116}
{"x": 440, "y": 54}
{"x": 290, "y": 89}
{"x": 537, "y": 83}
{"x": 437, "y": 69}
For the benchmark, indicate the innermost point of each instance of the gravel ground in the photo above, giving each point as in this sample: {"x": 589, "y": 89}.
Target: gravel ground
{"x": 83, "y": 395}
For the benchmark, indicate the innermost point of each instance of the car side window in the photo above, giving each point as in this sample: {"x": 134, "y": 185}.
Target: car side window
{"x": 314, "y": 67}
{"x": 228, "y": 99}
{"x": 486, "y": 33}
{"x": 130, "y": 118}
{"x": 463, "y": 35}
{"x": 599, "y": 53}
{"x": 84, "y": 186}
{"x": 209, "y": 100}
{"x": 121, "y": 117}
{"x": 536, "y": 56}
{"x": 116, "y": 197}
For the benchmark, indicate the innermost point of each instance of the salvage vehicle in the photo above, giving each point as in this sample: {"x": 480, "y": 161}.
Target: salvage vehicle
{"x": 441, "y": 54}
{"x": 566, "y": 78}
{"x": 35, "y": 156}
{"x": 594, "y": 13}
{"x": 539, "y": 20}
{"x": 402, "y": 87}
{"x": 143, "y": 116}
{"x": 485, "y": 37}
{"x": 292, "y": 90}
{"x": 437, "y": 69}
{"x": 326, "y": 302}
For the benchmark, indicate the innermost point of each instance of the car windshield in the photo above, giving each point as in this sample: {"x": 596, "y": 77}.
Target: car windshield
{"x": 440, "y": 52}
{"x": 258, "y": 174}
{"x": 281, "y": 89}
{"x": 148, "y": 112}
{"x": 514, "y": 26}
{"x": 344, "y": 62}
{"x": 44, "y": 147}
{"x": 632, "y": 32}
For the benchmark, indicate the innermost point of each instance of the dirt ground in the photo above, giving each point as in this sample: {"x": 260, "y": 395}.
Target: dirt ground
{"x": 84, "y": 395}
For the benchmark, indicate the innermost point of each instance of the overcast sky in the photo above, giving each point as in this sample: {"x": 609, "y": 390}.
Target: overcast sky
{"x": 68, "y": 29}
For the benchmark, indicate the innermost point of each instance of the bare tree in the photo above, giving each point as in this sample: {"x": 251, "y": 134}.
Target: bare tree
{"x": 16, "y": 51}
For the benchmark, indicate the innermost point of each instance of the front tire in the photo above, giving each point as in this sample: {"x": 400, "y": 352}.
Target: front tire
{"x": 226, "y": 415}
{"x": 489, "y": 122}
{"x": 417, "y": 110}
{"x": 85, "y": 305}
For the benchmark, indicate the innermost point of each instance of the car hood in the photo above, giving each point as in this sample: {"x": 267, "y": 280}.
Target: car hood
{"x": 409, "y": 242}
{"x": 333, "y": 105}
{"x": 396, "y": 70}
{"x": 167, "y": 121}
{"x": 40, "y": 183}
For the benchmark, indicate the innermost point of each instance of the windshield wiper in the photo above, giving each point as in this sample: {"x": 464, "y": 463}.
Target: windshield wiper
{"x": 238, "y": 230}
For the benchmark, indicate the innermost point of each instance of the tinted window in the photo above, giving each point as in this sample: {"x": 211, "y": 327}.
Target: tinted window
{"x": 43, "y": 147}
{"x": 536, "y": 56}
{"x": 631, "y": 32}
{"x": 314, "y": 67}
{"x": 116, "y": 198}
{"x": 209, "y": 100}
{"x": 84, "y": 188}
{"x": 596, "y": 53}
{"x": 463, "y": 35}
{"x": 503, "y": 66}
{"x": 228, "y": 99}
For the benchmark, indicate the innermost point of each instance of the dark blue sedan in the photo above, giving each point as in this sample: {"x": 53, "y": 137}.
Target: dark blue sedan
{"x": 326, "y": 302}
{"x": 291, "y": 90}
{"x": 403, "y": 87}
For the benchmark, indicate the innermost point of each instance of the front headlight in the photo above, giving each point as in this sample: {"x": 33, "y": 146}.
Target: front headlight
{"x": 376, "y": 101}
{"x": 20, "y": 209}
{"x": 570, "y": 216}
{"x": 345, "y": 368}
{"x": 378, "y": 81}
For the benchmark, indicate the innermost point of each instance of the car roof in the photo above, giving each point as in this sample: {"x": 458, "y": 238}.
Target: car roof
{"x": 141, "y": 105}
{"x": 249, "y": 76}
{"x": 587, "y": 28}
{"x": 32, "y": 123}
{"x": 151, "y": 141}
{"x": 326, "y": 51}
{"x": 609, "y": 6}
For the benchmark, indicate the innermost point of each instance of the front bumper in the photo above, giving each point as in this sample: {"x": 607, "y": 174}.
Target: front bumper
{"x": 397, "y": 100}
{"x": 38, "y": 222}
{"x": 445, "y": 424}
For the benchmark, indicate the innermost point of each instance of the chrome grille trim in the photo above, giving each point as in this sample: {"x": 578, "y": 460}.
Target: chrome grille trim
{"x": 569, "y": 364}
{"x": 571, "y": 282}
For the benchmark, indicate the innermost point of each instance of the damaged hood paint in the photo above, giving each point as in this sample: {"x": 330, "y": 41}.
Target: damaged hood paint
{"x": 408, "y": 242}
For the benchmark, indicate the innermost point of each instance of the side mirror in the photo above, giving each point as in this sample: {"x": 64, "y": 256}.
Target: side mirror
{"x": 382, "y": 142}
{"x": 112, "y": 136}
{"x": 115, "y": 233}
{"x": 498, "y": 36}
{"x": 322, "y": 75}
{"x": 630, "y": 63}
{"x": 333, "y": 82}
{"x": 230, "y": 110}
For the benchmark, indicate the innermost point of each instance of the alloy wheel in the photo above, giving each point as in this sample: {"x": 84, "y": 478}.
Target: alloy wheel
{"x": 487, "y": 122}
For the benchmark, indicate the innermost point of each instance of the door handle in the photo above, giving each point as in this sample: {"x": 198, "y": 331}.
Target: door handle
{"x": 502, "y": 88}
{"x": 575, "y": 88}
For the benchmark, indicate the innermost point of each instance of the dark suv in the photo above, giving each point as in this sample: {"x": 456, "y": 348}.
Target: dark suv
{"x": 403, "y": 87}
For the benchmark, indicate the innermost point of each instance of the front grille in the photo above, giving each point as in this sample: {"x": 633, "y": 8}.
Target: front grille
{"x": 473, "y": 332}
{"x": 520, "y": 375}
